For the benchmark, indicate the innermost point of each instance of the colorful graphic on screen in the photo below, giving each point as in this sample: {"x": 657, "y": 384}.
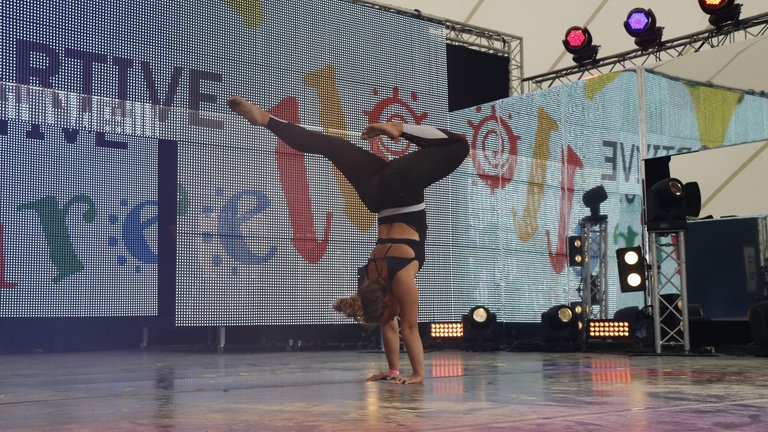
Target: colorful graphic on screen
{"x": 126, "y": 180}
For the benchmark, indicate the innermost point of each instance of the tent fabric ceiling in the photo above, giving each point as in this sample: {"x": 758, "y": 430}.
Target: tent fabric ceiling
{"x": 543, "y": 23}
{"x": 736, "y": 66}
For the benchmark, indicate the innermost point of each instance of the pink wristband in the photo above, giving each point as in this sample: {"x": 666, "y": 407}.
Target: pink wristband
{"x": 394, "y": 371}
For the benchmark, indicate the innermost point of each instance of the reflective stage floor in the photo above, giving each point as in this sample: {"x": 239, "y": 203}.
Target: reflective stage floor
{"x": 165, "y": 390}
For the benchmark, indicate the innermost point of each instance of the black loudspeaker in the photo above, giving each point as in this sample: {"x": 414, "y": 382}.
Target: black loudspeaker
{"x": 475, "y": 77}
{"x": 758, "y": 320}
{"x": 723, "y": 260}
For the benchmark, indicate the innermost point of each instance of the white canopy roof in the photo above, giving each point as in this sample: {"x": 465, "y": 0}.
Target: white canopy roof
{"x": 738, "y": 66}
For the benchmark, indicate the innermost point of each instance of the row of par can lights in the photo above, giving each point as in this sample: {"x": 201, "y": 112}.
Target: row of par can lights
{"x": 641, "y": 25}
{"x": 561, "y": 322}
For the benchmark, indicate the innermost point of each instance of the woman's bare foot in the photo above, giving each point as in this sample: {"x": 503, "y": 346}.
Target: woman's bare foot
{"x": 252, "y": 113}
{"x": 392, "y": 130}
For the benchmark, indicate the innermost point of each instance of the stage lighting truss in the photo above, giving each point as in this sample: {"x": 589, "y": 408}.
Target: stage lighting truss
{"x": 669, "y": 290}
{"x": 671, "y": 315}
{"x": 589, "y": 246}
{"x": 721, "y": 11}
{"x": 608, "y": 330}
{"x": 641, "y": 25}
{"x": 594, "y": 283}
{"x": 446, "y": 330}
{"x": 742, "y": 29}
{"x": 578, "y": 41}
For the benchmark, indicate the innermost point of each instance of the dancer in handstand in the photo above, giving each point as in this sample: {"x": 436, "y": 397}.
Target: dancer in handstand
{"x": 395, "y": 190}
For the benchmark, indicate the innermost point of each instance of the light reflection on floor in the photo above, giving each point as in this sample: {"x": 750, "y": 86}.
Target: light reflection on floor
{"x": 326, "y": 391}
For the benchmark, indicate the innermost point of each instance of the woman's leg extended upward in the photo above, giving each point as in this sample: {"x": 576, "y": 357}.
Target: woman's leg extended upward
{"x": 358, "y": 165}
{"x": 441, "y": 153}
{"x": 438, "y": 157}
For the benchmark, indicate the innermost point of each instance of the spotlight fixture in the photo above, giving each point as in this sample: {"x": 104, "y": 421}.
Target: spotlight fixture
{"x": 669, "y": 203}
{"x": 562, "y": 323}
{"x": 641, "y": 25}
{"x": 721, "y": 11}
{"x": 631, "y": 264}
{"x": 479, "y": 316}
{"x": 575, "y": 251}
{"x": 578, "y": 41}
{"x": 480, "y": 329}
{"x": 592, "y": 200}
{"x": 564, "y": 314}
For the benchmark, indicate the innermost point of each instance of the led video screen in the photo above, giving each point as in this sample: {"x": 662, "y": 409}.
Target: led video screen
{"x": 129, "y": 189}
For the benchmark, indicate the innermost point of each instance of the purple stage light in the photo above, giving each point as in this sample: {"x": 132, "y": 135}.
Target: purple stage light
{"x": 638, "y": 21}
{"x": 641, "y": 25}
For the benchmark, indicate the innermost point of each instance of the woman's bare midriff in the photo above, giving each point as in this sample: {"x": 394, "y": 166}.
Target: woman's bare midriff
{"x": 395, "y": 230}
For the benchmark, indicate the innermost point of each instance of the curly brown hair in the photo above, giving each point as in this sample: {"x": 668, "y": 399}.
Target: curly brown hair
{"x": 368, "y": 305}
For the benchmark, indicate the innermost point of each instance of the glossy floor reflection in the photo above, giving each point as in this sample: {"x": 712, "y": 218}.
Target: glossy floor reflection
{"x": 326, "y": 391}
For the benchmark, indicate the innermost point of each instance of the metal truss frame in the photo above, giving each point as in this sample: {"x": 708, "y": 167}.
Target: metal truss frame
{"x": 670, "y": 313}
{"x": 474, "y": 37}
{"x": 594, "y": 237}
{"x": 744, "y": 29}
